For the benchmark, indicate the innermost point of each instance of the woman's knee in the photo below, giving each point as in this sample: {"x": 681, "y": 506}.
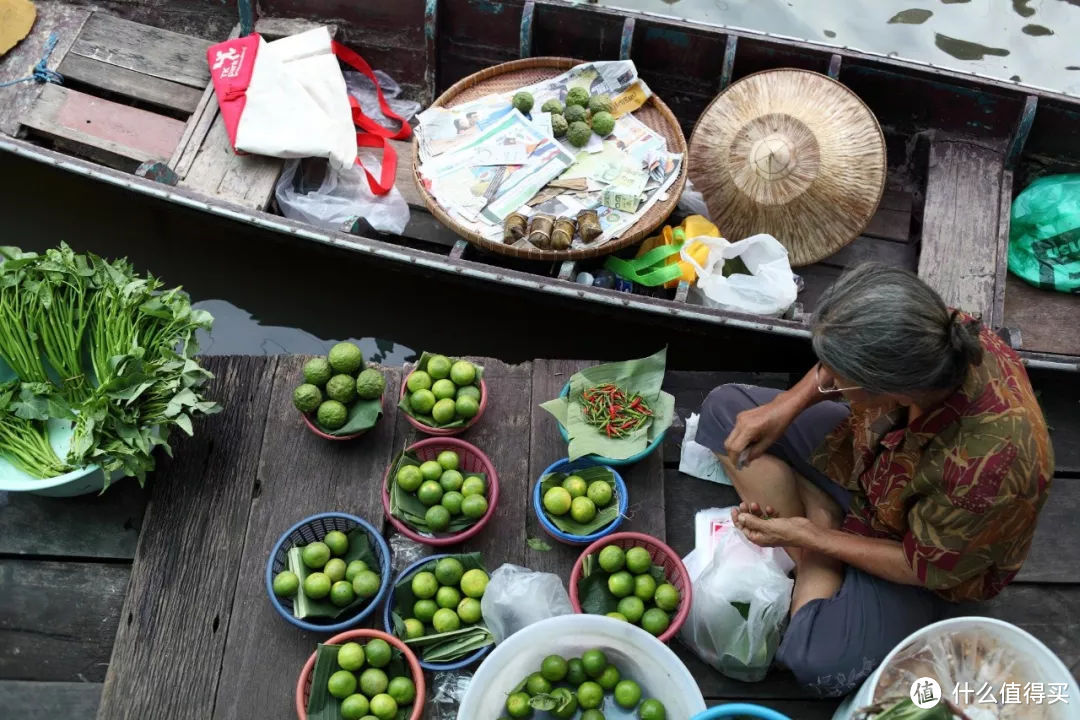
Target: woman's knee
{"x": 826, "y": 668}
{"x": 718, "y": 412}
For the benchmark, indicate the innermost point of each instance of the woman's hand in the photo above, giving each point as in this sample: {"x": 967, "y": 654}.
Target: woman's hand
{"x": 756, "y": 430}
{"x": 763, "y": 528}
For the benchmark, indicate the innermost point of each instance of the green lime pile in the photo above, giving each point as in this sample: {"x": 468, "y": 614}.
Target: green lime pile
{"x": 441, "y": 392}
{"x": 362, "y": 682}
{"x": 626, "y": 585}
{"x": 583, "y": 115}
{"x": 329, "y": 576}
{"x": 581, "y": 503}
{"x": 434, "y": 496}
{"x": 343, "y": 396}
{"x": 564, "y": 687}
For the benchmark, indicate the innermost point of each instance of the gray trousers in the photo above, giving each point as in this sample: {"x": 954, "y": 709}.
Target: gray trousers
{"x": 831, "y": 644}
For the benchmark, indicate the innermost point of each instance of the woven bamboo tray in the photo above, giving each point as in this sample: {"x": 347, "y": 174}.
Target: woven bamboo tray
{"x": 518, "y": 73}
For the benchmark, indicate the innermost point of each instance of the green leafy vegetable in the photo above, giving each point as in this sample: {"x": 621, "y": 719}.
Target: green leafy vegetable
{"x": 24, "y": 436}
{"x": 405, "y": 506}
{"x": 304, "y": 607}
{"x": 428, "y": 420}
{"x": 604, "y": 516}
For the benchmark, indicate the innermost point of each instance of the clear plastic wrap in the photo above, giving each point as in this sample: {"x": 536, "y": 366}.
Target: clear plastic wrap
{"x": 447, "y": 691}
{"x": 404, "y": 552}
{"x": 517, "y": 597}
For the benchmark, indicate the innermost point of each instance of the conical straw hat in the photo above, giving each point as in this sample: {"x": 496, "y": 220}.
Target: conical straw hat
{"x": 791, "y": 153}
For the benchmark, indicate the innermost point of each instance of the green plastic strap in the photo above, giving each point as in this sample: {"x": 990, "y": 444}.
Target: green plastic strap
{"x": 641, "y": 270}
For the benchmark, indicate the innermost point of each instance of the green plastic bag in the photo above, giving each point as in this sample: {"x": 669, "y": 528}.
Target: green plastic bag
{"x": 1044, "y": 234}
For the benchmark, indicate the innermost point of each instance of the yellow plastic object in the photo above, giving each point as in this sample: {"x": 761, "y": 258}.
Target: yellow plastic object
{"x": 692, "y": 227}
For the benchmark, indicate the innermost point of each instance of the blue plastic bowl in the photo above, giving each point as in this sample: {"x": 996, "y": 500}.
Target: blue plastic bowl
{"x": 315, "y": 528}
{"x": 388, "y": 621}
{"x": 600, "y": 460}
{"x": 740, "y": 710}
{"x": 565, "y": 465}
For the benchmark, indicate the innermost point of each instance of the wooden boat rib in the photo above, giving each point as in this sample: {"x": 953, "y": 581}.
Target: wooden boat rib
{"x": 136, "y": 111}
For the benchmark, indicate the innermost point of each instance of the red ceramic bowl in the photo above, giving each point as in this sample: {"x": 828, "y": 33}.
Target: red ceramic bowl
{"x": 327, "y": 436}
{"x": 662, "y": 555}
{"x": 472, "y": 460}
{"x": 303, "y": 685}
{"x": 445, "y": 432}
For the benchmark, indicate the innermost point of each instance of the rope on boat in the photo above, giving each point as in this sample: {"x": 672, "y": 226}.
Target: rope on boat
{"x": 41, "y": 73}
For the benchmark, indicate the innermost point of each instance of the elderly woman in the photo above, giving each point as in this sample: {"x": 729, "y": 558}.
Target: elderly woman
{"x": 903, "y": 473}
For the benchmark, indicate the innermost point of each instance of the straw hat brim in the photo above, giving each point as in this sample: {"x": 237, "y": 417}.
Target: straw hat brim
{"x": 792, "y": 153}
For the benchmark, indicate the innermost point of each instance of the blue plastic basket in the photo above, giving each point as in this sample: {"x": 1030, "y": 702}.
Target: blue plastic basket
{"x": 740, "y": 710}
{"x": 566, "y": 465}
{"x": 600, "y": 460}
{"x": 388, "y": 621}
{"x": 315, "y": 528}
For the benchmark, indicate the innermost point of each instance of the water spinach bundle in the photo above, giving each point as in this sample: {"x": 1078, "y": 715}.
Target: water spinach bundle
{"x": 89, "y": 343}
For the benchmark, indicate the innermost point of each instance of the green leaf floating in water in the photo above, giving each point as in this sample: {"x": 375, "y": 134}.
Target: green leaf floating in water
{"x": 324, "y": 706}
{"x": 404, "y": 406}
{"x": 593, "y": 591}
{"x": 407, "y": 508}
{"x": 305, "y": 607}
{"x": 604, "y": 516}
{"x": 363, "y": 414}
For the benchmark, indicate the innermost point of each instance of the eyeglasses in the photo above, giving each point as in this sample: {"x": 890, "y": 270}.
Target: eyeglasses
{"x": 831, "y": 388}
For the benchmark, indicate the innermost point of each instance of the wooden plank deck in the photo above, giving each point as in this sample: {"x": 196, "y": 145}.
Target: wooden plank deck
{"x": 177, "y": 625}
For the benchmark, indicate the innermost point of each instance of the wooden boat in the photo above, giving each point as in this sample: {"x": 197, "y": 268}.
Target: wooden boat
{"x": 135, "y": 110}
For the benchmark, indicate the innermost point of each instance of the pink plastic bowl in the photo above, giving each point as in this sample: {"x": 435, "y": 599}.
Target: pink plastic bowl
{"x": 472, "y": 460}
{"x": 445, "y": 432}
{"x": 327, "y": 436}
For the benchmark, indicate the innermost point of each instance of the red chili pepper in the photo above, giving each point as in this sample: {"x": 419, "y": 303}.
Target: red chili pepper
{"x": 608, "y": 429}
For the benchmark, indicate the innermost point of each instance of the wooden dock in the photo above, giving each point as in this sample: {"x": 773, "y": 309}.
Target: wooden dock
{"x": 139, "y": 604}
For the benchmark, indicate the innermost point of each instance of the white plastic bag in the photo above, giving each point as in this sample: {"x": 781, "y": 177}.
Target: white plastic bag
{"x": 737, "y": 577}
{"x": 361, "y": 88}
{"x": 698, "y": 461}
{"x": 517, "y": 597}
{"x": 342, "y": 197}
{"x": 769, "y": 289}
{"x": 692, "y": 202}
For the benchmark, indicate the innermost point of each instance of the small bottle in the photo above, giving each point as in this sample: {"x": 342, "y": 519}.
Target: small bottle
{"x": 585, "y": 278}
{"x": 604, "y": 279}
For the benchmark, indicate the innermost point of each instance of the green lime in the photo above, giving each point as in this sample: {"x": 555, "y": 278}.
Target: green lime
{"x": 600, "y": 493}
{"x": 443, "y": 389}
{"x": 667, "y": 597}
{"x": 568, "y": 704}
{"x": 444, "y": 411}
{"x": 354, "y": 568}
{"x": 537, "y": 684}
{"x": 341, "y": 388}
{"x": 354, "y": 707}
{"x": 345, "y": 358}
{"x": 384, "y": 707}
{"x": 575, "y": 672}
{"x": 652, "y": 709}
{"x": 448, "y": 571}
{"x": 307, "y": 398}
{"x": 575, "y": 486}
{"x": 473, "y": 485}
{"x": 424, "y": 610}
{"x": 373, "y": 681}
{"x": 422, "y": 401}
{"x": 424, "y": 585}
{"x": 474, "y": 506}
{"x": 402, "y": 690}
{"x": 627, "y": 694}
{"x": 438, "y": 367}
{"x": 335, "y": 569}
{"x": 286, "y": 583}
{"x": 451, "y": 480}
{"x": 557, "y": 501}
{"x": 612, "y": 559}
{"x": 621, "y": 584}
{"x": 418, "y": 380}
{"x": 430, "y": 493}
{"x": 554, "y": 668}
{"x": 582, "y": 510}
{"x": 431, "y": 470}
{"x": 592, "y": 715}
{"x": 449, "y": 460}
{"x": 413, "y": 629}
{"x": 632, "y": 608}
{"x": 609, "y": 678}
{"x": 448, "y": 597}
{"x": 645, "y": 587}
{"x": 463, "y": 372}
{"x": 317, "y": 371}
{"x": 590, "y": 695}
{"x": 315, "y": 555}
{"x": 638, "y": 560}
{"x": 594, "y": 662}
{"x": 445, "y": 620}
{"x": 617, "y": 616}
{"x": 517, "y": 705}
{"x": 437, "y": 518}
{"x": 466, "y": 407}
{"x": 474, "y": 583}
{"x": 452, "y": 502}
{"x": 350, "y": 656}
{"x": 469, "y": 391}
{"x": 341, "y": 684}
{"x": 377, "y": 653}
{"x": 317, "y": 586}
{"x": 655, "y": 621}
{"x": 469, "y": 611}
{"x": 370, "y": 384}
{"x": 366, "y": 584}
{"x": 341, "y": 593}
{"x": 409, "y": 478}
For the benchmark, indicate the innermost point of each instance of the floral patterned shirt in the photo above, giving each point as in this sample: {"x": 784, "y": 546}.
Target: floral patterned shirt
{"x": 961, "y": 486}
